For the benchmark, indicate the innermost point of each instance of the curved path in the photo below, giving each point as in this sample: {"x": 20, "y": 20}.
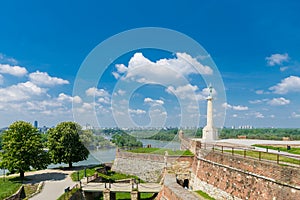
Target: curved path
{"x": 55, "y": 182}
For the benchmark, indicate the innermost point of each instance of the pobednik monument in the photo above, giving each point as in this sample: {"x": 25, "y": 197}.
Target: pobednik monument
{"x": 209, "y": 132}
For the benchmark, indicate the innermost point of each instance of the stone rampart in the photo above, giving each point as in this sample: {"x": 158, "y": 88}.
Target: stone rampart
{"x": 149, "y": 167}
{"x": 224, "y": 176}
{"x": 280, "y": 173}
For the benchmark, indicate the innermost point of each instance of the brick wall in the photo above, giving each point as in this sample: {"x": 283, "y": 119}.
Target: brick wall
{"x": 245, "y": 178}
{"x": 285, "y": 174}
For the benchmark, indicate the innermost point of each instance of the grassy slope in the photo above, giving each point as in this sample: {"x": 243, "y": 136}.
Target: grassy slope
{"x": 265, "y": 156}
{"x": 292, "y": 150}
{"x": 8, "y": 187}
{"x": 162, "y": 151}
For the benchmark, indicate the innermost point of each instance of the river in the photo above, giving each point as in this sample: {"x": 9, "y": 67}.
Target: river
{"x": 109, "y": 154}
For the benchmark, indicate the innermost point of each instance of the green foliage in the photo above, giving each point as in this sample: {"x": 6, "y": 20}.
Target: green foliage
{"x": 64, "y": 144}
{"x": 110, "y": 176}
{"x": 166, "y": 135}
{"x": 0, "y": 141}
{"x": 162, "y": 151}
{"x": 265, "y": 156}
{"x": 261, "y": 133}
{"x": 68, "y": 195}
{"x": 23, "y": 148}
{"x": 125, "y": 140}
{"x": 92, "y": 141}
{"x": 8, "y": 187}
{"x": 204, "y": 195}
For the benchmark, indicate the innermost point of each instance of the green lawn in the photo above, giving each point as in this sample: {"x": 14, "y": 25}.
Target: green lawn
{"x": 68, "y": 195}
{"x": 204, "y": 195}
{"x": 265, "y": 156}
{"x": 162, "y": 151}
{"x": 9, "y": 186}
{"x": 293, "y": 150}
{"x": 110, "y": 176}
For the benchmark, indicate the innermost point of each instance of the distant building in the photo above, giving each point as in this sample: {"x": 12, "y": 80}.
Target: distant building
{"x": 35, "y": 124}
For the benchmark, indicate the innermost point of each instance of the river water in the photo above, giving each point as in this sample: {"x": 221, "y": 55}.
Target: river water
{"x": 109, "y": 154}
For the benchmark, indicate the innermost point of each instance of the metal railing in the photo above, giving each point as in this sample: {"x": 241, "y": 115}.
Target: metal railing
{"x": 250, "y": 152}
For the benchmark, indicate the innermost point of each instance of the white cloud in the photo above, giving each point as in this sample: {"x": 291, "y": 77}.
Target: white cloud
{"x": 143, "y": 70}
{"x": 6, "y": 59}
{"x": 12, "y": 70}
{"x": 238, "y": 107}
{"x": 259, "y": 92}
{"x": 105, "y": 100}
{"x": 96, "y": 92}
{"x": 153, "y": 102}
{"x": 121, "y": 68}
{"x": 21, "y": 91}
{"x": 278, "y": 101}
{"x": 289, "y": 84}
{"x": 1, "y": 79}
{"x": 295, "y": 115}
{"x": 137, "y": 111}
{"x": 43, "y": 78}
{"x": 259, "y": 115}
{"x": 282, "y": 69}
{"x": 255, "y": 101}
{"x": 65, "y": 97}
{"x": 186, "y": 92}
{"x": 277, "y": 59}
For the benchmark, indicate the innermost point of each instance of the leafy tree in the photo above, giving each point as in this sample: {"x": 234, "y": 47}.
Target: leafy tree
{"x": 23, "y": 148}
{"x": 64, "y": 144}
{"x": 125, "y": 140}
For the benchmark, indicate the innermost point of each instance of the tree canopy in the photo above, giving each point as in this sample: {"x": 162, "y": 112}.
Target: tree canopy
{"x": 65, "y": 145}
{"x": 22, "y": 148}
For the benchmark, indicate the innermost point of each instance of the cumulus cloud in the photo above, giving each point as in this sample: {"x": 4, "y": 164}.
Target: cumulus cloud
{"x": 186, "y": 92}
{"x": 12, "y": 70}
{"x": 136, "y": 111}
{"x": 1, "y": 79}
{"x": 277, "y": 59}
{"x": 65, "y": 97}
{"x": 258, "y": 115}
{"x": 43, "y": 78}
{"x": 278, "y": 101}
{"x": 93, "y": 91}
{"x": 143, "y": 70}
{"x": 21, "y": 91}
{"x": 238, "y": 107}
{"x": 153, "y": 102}
{"x": 289, "y": 84}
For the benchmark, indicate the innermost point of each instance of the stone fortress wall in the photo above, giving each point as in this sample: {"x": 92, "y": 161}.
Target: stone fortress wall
{"x": 228, "y": 177}
{"x": 150, "y": 167}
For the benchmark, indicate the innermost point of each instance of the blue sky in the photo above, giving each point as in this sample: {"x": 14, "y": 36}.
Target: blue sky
{"x": 255, "y": 46}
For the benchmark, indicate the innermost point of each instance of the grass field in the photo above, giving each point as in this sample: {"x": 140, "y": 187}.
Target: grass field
{"x": 293, "y": 150}
{"x": 110, "y": 176}
{"x": 161, "y": 151}
{"x": 9, "y": 187}
{"x": 265, "y": 156}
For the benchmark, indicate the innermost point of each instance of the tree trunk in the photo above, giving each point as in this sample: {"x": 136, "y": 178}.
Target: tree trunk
{"x": 70, "y": 164}
{"x": 21, "y": 174}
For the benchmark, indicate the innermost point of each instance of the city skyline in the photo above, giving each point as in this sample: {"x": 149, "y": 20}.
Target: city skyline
{"x": 255, "y": 49}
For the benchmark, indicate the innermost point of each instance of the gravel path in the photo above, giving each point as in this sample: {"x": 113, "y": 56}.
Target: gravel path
{"x": 55, "y": 182}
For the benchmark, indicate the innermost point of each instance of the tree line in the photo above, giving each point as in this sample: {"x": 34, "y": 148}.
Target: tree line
{"x": 23, "y": 147}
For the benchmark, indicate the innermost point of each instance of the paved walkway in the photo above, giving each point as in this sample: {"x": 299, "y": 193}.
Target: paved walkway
{"x": 122, "y": 187}
{"x": 55, "y": 182}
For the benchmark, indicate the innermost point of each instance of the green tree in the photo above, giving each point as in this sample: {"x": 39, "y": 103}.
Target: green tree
{"x": 64, "y": 144}
{"x": 22, "y": 148}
